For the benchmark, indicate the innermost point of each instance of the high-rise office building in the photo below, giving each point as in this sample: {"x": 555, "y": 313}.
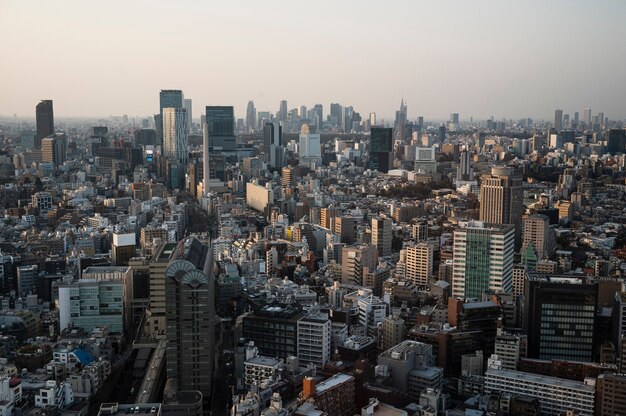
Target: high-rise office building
{"x": 54, "y": 149}
{"x": 167, "y": 99}
{"x": 221, "y": 129}
{"x": 310, "y": 147}
{"x": 616, "y": 141}
{"x": 336, "y": 115}
{"x": 381, "y": 149}
{"x": 190, "y": 317}
{"x": 251, "y": 117}
{"x": 558, "y": 120}
{"x": 400, "y": 121}
{"x": 419, "y": 263}
{"x": 382, "y": 235}
{"x": 465, "y": 172}
{"x": 454, "y": 121}
{"x": 587, "y": 117}
{"x": 560, "y": 317}
{"x": 274, "y": 329}
{"x": 319, "y": 109}
{"x": 188, "y": 106}
{"x": 501, "y": 199}
{"x": 283, "y": 112}
{"x": 44, "y": 115}
{"x": 483, "y": 259}
{"x": 175, "y": 134}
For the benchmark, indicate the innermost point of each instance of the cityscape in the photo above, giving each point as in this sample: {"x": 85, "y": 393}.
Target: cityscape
{"x": 164, "y": 251}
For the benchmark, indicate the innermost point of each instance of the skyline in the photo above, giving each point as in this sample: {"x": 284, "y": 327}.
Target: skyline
{"x": 441, "y": 58}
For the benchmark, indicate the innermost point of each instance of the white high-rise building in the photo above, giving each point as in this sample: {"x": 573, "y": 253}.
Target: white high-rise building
{"x": 483, "y": 259}
{"x": 175, "y": 140}
{"x": 314, "y": 334}
{"x": 310, "y": 147}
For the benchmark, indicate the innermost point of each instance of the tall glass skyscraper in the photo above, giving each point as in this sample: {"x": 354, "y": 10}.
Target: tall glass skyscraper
{"x": 45, "y": 121}
{"x": 381, "y": 147}
{"x": 175, "y": 134}
{"x": 167, "y": 99}
{"x": 221, "y": 128}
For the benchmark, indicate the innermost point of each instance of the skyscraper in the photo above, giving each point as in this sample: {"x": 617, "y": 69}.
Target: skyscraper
{"x": 190, "y": 317}
{"x": 283, "y": 110}
{"x": 167, "y": 99}
{"x": 454, "y": 121}
{"x": 45, "y": 121}
{"x": 482, "y": 259}
{"x": 381, "y": 147}
{"x": 310, "y": 147}
{"x": 587, "y": 117}
{"x": 54, "y": 149}
{"x": 188, "y": 106}
{"x": 501, "y": 199}
{"x": 175, "y": 134}
{"x": 319, "y": 109}
{"x": 251, "y": 116}
{"x": 558, "y": 120}
{"x": 382, "y": 235}
{"x": 465, "y": 171}
{"x": 272, "y": 143}
{"x": 336, "y": 115}
{"x": 221, "y": 128}
{"x": 401, "y": 117}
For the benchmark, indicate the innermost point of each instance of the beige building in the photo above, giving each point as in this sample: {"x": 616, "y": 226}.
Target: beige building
{"x": 419, "y": 263}
{"x": 258, "y": 197}
{"x": 501, "y": 199}
{"x": 354, "y": 260}
{"x": 537, "y": 232}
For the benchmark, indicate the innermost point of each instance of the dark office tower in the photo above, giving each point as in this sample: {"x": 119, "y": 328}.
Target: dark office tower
{"x": 190, "y": 317}
{"x": 558, "y": 119}
{"x": 381, "y": 146}
{"x": 465, "y": 172}
{"x": 616, "y": 141}
{"x": 45, "y": 121}
{"x": 336, "y": 114}
{"x": 221, "y": 128}
{"x": 501, "y": 199}
{"x": 560, "y": 317}
{"x": 319, "y": 109}
{"x": 251, "y": 117}
{"x": 283, "y": 110}
{"x": 575, "y": 121}
{"x": 272, "y": 144}
{"x": 167, "y": 99}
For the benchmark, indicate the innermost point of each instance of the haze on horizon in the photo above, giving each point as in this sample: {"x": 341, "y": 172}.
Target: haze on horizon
{"x": 479, "y": 58}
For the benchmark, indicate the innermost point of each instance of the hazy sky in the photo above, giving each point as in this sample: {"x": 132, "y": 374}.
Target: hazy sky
{"x": 477, "y": 58}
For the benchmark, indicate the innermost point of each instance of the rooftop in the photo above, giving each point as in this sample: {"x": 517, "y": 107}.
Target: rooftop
{"x": 534, "y": 378}
{"x": 332, "y": 382}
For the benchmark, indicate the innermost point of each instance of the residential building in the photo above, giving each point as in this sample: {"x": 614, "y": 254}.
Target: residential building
{"x": 556, "y": 395}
